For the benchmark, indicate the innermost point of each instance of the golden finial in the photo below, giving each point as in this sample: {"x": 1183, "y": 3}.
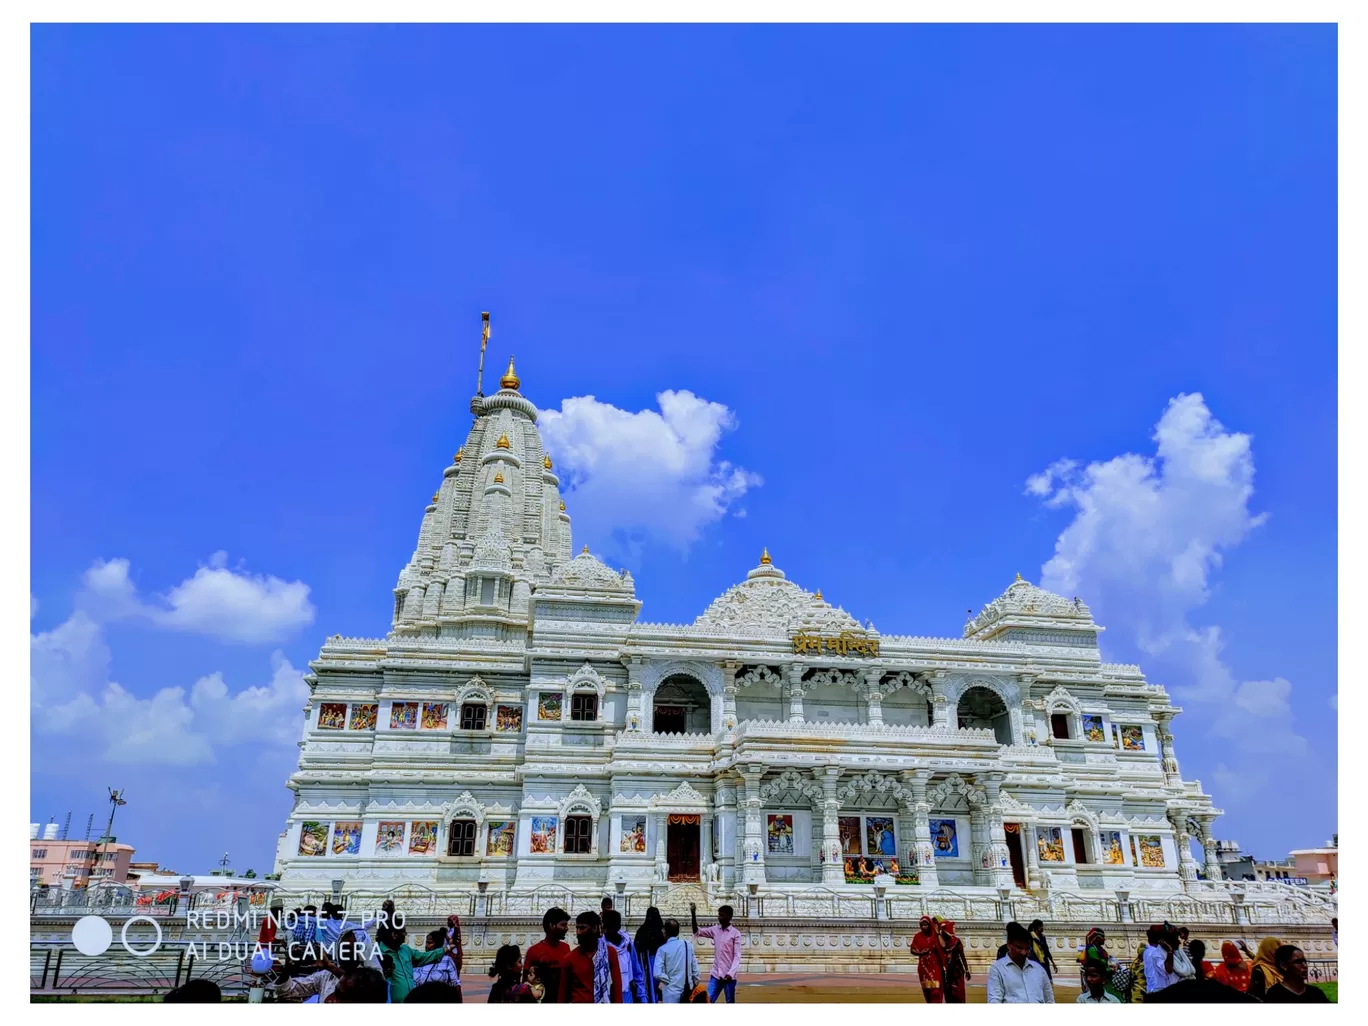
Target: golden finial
{"x": 502, "y": 443}
{"x": 510, "y": 380}
{"x": 1018, "y": 577}
{"x": 459, "y": 453}
{"x": 764, "y": 558}
{"x": 546, "y": 462}
{"x": 819, "y": 594}
{"x": 434, "y": 496}
{"x": 498, "y": 478}
{"x": 562, "y": 505}
{"x": 584, "y": 551}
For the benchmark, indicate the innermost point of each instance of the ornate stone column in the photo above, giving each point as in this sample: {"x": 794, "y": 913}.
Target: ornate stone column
{"x": 754, "y": 870}
{"x": 1162, "y": 719}
{"x": 1034, "y": 880}
{"x": 873, "y": 696}
{"x": 833, "y": 862}
{"x": 635, "y": 718}
{"x": 1209, "y": 853}
{"x": 941, "y": 718}
{"x": 1001, "y": 860}
{"x": 795, "y": 692}
{"x": 729, "y": 689}
{"x": 923, "y": 856}
{"x": 1187, "y": 865}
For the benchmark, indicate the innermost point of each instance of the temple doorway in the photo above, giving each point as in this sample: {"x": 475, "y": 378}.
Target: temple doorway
{"x": 681, "y": 847}
{"x": 681, "y": 705}
{"x": 1014, "y": 853}
{"x": 982, "y": 709}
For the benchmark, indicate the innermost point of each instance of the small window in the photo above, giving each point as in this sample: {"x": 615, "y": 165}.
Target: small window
{"x": 462, "y": 838}
{"x": 473, "y": 716}
{"x": 487, "y": 591}
{"x": 584, "y": 707}
{"x": 40, "y": 853}
{"x": 1059, "y": 726}
{"x": 1080, "y": 847}
{"x": 579, "y": 835}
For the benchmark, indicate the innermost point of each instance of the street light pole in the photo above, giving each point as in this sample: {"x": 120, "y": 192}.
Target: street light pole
{"x": 115, "y": 800}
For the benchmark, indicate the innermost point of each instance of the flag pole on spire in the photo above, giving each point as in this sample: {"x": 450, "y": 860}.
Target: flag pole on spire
{"x": 484, "y": 341}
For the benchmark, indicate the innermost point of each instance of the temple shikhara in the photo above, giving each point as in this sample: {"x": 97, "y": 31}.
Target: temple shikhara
{"x": 522, "y": 736}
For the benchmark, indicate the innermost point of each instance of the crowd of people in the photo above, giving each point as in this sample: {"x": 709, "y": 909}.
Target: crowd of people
{"x": 1170, "y": 967}
{"x": 324, "y": 957}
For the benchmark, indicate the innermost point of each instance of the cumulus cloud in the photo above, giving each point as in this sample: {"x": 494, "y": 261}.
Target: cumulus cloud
{"x": 1147, "y": 535}
{"x": 75, "y": 700}
{"x": 648, "y": 474}
{"x": 231, "y": 605}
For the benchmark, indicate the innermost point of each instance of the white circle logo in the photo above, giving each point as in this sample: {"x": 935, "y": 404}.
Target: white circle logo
{"x": 123, "y": 937}
{"x": 92, "y": 935}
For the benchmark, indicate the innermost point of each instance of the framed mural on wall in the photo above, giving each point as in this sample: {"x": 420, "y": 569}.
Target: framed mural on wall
{"x": 508, "y": 718}
{"x": 1112, "y": 853}
{"x": 542, "y": 839}
{"x": 363, "y": 716}
{"x": 849, "y": 829}
{"x": 1151, "y": 851}
{"x": 389, "y": 838}
{"x": 346, "y": 838}
{"x": 501, "y": 837}
{"x": 944, "y": 840}
{"x": 1132, "y": 739}
{"x": 404, "y": 716}
{"x": 435, "y": 715}
{"x": 879, "y": 839}
{"x": 1050, "y": 844}
{"x": 1092, "y": 729}
{"x": 779, "y": 834}
{"x": 423, "y": 837}
{"x": 313, "y": 838}
{"x": 332, "y": 716}
{"x": 549, "y": 705}
{"x": 633, "y": 834}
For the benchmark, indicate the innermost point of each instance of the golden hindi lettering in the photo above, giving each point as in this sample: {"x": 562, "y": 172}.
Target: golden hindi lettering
{"x": 841, "y": 645}
{"x": 805, "y": 642}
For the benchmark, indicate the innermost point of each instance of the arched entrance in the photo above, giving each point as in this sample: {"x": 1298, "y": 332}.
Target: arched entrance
{"x": 681, "y": 705}
{"x": 981, "y": 708}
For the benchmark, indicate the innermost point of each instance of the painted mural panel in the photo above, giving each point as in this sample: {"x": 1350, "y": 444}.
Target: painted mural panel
{"x": 363, "y": 716}
{"x": 1151, "y": 851}
{"x": 346, "y": 838}
{"x": 633, "y": 834}
{"x": 404, "y": 716}
{"x": 1092, "y": 729}
{"x": 549, "y": 705}
{"x": 501, "y": 836}
{"x": 779, "y": 834}
{"x": 879, "y": 839}
{"x": 435, "y": 715}
{"x": 423, "y": 837}
{"x": 944, "y": 839}
{"x": 1112, "y": 852}
{"x": 542, "y": 839}
{"x": 389, "y": 838}
{"x": 313, "y": 838}
{"x": 1133, "y": 739}
{"x": 849, "y": 828}
{"x": 508, "y": 718}
{"x": 1050, "y": 844}
{"x": 332, "y": 716}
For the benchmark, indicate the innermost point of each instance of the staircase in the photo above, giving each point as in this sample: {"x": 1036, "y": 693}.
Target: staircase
{"x": 675, "y": 901}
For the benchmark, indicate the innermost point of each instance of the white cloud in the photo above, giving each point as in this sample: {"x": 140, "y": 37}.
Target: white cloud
{"x": 217, "y": 601}
{"x": 75, "y": 701}
{"x": 1146, "y": 537}
{"x": 645, "y": 474}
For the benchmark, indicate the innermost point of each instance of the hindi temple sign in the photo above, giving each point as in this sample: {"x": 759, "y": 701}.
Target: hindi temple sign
{"x": 843, "y": 644}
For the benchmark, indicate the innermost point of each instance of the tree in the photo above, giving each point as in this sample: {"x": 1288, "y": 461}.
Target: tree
{"x": 249, "y": 875}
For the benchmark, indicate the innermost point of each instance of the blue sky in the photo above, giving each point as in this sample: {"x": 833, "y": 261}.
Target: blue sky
{"x": 908, "y": 270}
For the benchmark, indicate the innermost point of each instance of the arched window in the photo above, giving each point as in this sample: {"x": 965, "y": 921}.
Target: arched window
{"x": 982, "y": 708}
{"x": 680, "y": 706}
{"x": 1059, "y": 726}
{"x": 474, "y": 716}
{"x": 584, "y": 707}
{"x": 461, "y": 837}
{"x": 579, "y": 835}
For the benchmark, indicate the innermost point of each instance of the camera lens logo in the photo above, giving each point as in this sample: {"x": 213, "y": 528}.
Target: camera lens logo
{"x": 92, "y": 935}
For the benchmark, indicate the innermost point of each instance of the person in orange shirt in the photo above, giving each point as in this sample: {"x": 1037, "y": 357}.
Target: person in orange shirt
{"x": 590, "y": 973}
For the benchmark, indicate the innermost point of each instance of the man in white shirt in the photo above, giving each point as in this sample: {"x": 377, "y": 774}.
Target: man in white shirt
{"x": 1015, "y": 979}
{"x": 1158, "y": 961}
{"x": 676, "y": 967}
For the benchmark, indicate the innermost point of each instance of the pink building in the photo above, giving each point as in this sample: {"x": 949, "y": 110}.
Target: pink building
{"x": 1318, "y": 865}
{"x": 73, "y": 865}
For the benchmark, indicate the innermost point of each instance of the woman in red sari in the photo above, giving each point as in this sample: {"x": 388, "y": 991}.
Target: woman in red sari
{"x": 930, "y": 966}
{"x": 1233, "y": 970}
{"x": 955, "y": 964}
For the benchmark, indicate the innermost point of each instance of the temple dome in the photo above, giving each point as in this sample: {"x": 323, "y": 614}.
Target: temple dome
{"x": 1024, "y": 610}
{"x": 585, "y": 571}
{"x": 766, "y": 602}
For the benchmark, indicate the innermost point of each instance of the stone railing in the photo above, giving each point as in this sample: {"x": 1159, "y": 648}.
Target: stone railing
{"x": 862, "y": 731}
{"x": 627, "y": 741}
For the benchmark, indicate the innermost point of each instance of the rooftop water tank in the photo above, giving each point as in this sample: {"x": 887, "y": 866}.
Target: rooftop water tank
{"x": 50, "y": 832}
{"x": 33, "y": 831}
